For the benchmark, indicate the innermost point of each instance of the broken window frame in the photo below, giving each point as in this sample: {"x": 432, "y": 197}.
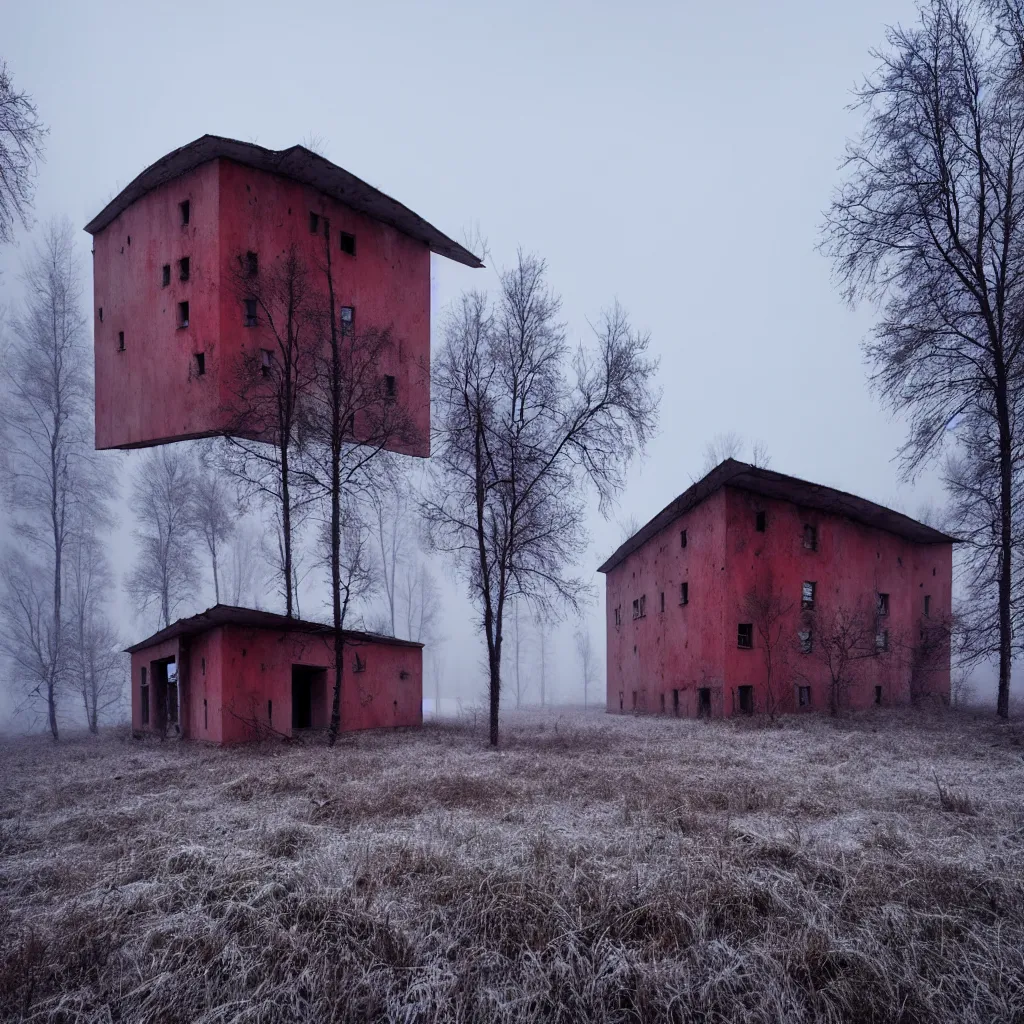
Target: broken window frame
{"x": 806, "y": 640}
{"x": 745, "y": 636}
{"x": 358, "y": 663}
{"x": 347, "y": 319}
{"x": 810, "y": 537}
{"x": 266, "y": 361}
{"x": 199, "y": 359}
{"x": 347, "y": 243}
{"x": 882, "y": 605}
{"x": 808, "y": 592}
{"x": 251, "y": 317}
{"x": 183, "y": 315}
{"x": 184, "y": 268}
{"x": 881, "y": 641}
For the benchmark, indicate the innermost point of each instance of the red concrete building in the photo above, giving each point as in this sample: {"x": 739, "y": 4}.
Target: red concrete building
{"x": 171, "y": 324}
{"x": 754, "y": 591}
{"x": 230, "y": 675}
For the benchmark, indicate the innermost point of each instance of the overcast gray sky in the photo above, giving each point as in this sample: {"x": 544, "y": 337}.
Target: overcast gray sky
{"x": 676, "y": 156}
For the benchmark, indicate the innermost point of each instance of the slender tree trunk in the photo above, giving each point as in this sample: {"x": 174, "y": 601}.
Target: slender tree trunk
{"x": 216, "y": 583}
{"x": 56, "y": 653}
{"x": 286, "y": 528}
{"x": 1005, "y": 548}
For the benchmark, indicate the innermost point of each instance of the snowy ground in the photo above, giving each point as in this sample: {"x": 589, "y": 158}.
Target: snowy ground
{"x": 596, "y": 868}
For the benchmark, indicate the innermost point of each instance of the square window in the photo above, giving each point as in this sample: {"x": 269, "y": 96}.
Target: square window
{"x": 120, "y": 341}
{"x": 745, "y": 635}
{"x": 251, "y": 314}
{"x": 806, "y": 641}
{"x": 810, "y": 537}
{"x": 185, "y": 209}
{"x": 684, "y": 593}
{"x": 184, "y": 267}
{"x": 883, "y": 604}
{"x": 682, "y": 538}
{"x": 804, "y": 696}
{"x": 200, "y": 358}
{"x": 807, "y": 594}
{"x": 166, "y": 275}
{"x": 348, "y": 243}
{"x": 183, "y": 314}
{"x": 760, "y": 521}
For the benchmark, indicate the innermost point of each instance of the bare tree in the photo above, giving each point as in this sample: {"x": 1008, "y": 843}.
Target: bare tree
{"x": 518, "y": 644}
{"x": 838, "y": 638}
{"x": 281, "y": 303}
{"x": 420, "y": 598}
{"x": 97, "y": 665}
{"x": 585, "y": 652}
{"x": 731, "y": 445}
{"x": 929, "y": 224}
{"x": 391, "y": 533}
{"x": 543, "y": 632}
{"x": 524, "y": 425}
{"x": 212, "y": 514}
{"x": 243, "y": 573}
{"x": 49, "y": 451}
{"x": 166, "y": 571}
{"x": 769, "y": 613}
{"x": 21, "y": 149}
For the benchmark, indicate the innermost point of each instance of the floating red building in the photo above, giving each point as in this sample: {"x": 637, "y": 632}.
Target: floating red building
{"x": 756, "y": 591}
{"x": 171, "y": 322}
{"x": 229, "y": 675}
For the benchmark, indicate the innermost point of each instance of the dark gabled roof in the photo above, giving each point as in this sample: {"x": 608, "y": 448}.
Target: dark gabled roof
{"x": 297, "y": 163}
{"x": 229, "y": 615}
{"x": 786, "y": 488}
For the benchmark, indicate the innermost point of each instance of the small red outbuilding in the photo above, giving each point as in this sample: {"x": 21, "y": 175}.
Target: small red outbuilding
{"x": 229, "y": 675}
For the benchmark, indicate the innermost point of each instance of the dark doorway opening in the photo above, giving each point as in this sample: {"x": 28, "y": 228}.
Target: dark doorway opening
{"x": 878, "y": 695}
{"x": 164, "y": 675}
{"x": 704, "y": 702}
{"x": 746, "y": 700}
{"x": 675, "y": 703}
{"x": 309, "y": 695}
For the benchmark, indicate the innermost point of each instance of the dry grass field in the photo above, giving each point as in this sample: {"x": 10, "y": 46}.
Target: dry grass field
{"x": 595, "y": 869}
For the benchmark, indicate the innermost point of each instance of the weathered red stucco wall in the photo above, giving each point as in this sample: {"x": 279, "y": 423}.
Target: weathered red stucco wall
{"x": 151, "y": 392}
{"x": 726, "y": 557}
{"x": 245, "y": 677}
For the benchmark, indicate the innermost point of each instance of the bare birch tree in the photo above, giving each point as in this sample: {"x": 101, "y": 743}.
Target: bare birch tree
{"x": 166, "y": 571}
{"x": 585, "y": 652}
{"x": 52, "y": 474}
{"x": 212, "y": 515}
{"x": 928, "y": 224}
{"x": 21, "y": 149}
{"x": 524, "y": 427}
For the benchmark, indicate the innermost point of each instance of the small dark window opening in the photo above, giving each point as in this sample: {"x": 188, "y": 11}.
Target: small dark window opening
{"x": 643, "y": 606}
{"x": 636, "y": 608}
{"x": 184, "y": 268}
{"x": 266, "y": 361}
{"x": 348, "y": 319}
{"x": 120, "y": 341}
{"x": 348, "y": 243}
{"x": 804, "y": 696}
{"x": 682, "y": 538}
{"x": 634, "y": 700}
{"x": 252, "y": 264}
{"x": 663, "y": 600}
{"x": 183, "y": 314}
{"x": 883, "y": 604}
{"x": 314, "y": 223}
{"x": 662, "y": 702}
{"x": 878, "y": 695}
{"x": 927, "y": 604}
{"x": 129, "y": 239}
{"x": 251, "y": 316}
{"x": 760, "y": 522}
{"x": 704, "y": 701}
{"x": 745, "y": 635}
{"x": 810, "y": 537}
{"x": 684, "y": 593}
{"x": 389, "y": 386}
{"x": 807, "y": 594}
{"x": 675, "y": 703}
{"x": 186, "y": 209}
{"x": 359, "y": 665}
{"x": 933, "y": 572}
{"x": 746, "y": 694}
{"x": 101, "y": 314}
{"x": 200, "y": 358}
{"x": 622, "y": 698}
{"x": 206, "y": 716}
{"x": 167, "y": 275}
{"x": 618, "y": 615}
{"x": 270, "y": 712}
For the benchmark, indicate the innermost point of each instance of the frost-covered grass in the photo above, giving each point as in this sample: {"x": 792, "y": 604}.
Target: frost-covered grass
{"x": 595, "y": 869}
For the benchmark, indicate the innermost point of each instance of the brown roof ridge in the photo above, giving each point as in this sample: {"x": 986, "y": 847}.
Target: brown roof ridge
{"x": 254, "y": 618}
{"x": 770, "y": 483}
{"x": 296, "y": 162}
